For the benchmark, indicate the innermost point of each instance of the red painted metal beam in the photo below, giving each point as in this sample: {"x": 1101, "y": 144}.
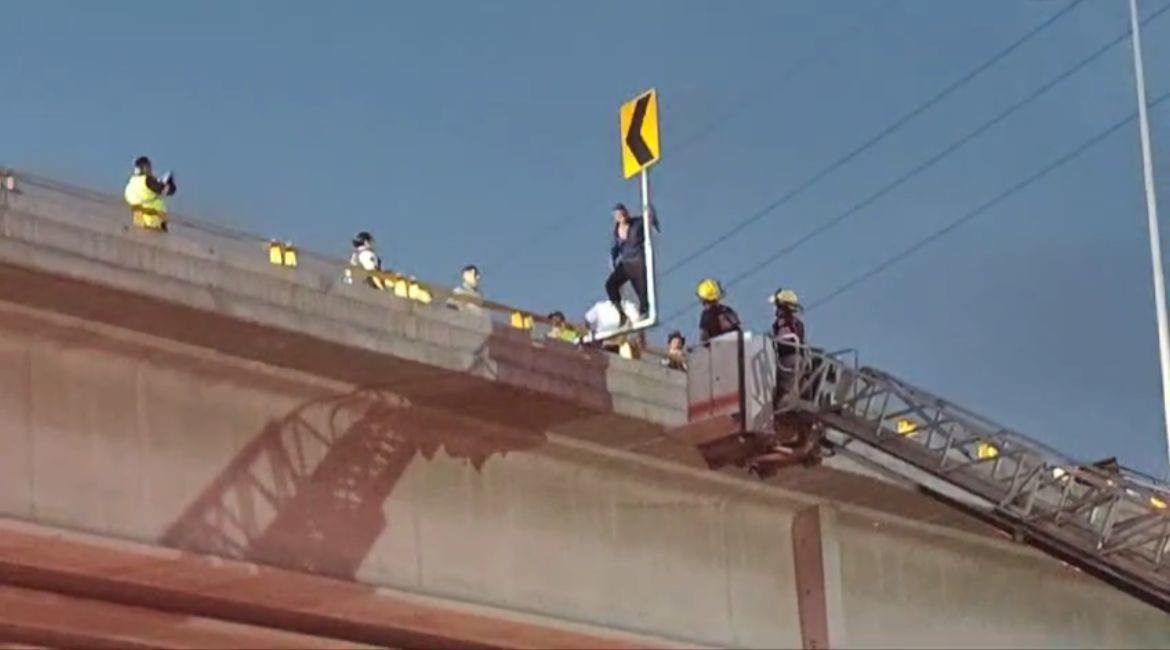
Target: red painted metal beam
{"x": 55, "y": 620}
{"x": 127, "y": 573}
{"x": 810, "y": 579}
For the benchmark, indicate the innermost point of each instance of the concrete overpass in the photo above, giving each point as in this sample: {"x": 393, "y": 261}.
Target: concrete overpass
{"x": 193, "y": 434}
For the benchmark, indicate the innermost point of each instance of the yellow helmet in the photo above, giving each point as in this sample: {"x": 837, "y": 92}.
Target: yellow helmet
{"x": 785, "y": 297}
{"x": 709, "y": 290}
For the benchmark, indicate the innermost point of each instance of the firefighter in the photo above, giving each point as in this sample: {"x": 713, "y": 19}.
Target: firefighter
{"x": 717, "y": 319}
{"x": 144, "y": 192}
{"x": 788, "y": 337}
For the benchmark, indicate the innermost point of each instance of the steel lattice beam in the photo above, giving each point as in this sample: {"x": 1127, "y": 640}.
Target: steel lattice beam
{"x": 1114, "y": 523}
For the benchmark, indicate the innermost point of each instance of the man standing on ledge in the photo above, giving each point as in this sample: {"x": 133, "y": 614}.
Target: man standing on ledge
{"x": 144, "y": 193}
{"x": 628, "y": 260}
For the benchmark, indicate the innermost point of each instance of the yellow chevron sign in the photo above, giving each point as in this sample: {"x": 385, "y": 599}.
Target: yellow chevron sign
{"x": 639, "y": 133}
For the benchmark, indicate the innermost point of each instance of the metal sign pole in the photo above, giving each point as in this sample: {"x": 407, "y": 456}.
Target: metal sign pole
{"x": 648, "y": 228}
{"x": 638, "y": 127}
{"x": 1152, "y": 218}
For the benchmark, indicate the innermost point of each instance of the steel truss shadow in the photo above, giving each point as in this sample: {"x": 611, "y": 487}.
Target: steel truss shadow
{"x": 308, "y": 492}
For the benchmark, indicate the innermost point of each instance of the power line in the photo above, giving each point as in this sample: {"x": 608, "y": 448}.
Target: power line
{"x": 930, "y": 162}
{"x": 821, "y": 50}
{"x": 872, "y": 141}
{"x": 944, "y": 153}
{"x": 982, "y": 209}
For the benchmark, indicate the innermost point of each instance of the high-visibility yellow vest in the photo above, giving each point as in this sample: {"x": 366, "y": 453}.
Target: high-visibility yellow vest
{"x": 567, "y": 334}
{"x": 138, "y": 195}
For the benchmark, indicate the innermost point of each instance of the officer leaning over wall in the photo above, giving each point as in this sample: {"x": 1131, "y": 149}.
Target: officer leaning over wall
{"x": 144, "y": 192}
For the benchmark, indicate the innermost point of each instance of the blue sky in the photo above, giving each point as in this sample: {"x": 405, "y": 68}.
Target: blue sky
{"x": 487, "y": 132}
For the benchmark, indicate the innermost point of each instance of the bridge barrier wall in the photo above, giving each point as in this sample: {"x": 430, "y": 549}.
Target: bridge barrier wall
{"x": 907, "y": 585}
{"x": 137, "y": 438}
{"x": 53, "y": 232}
{"x": 121, "y": 434}
{"x": 150, "y": 389}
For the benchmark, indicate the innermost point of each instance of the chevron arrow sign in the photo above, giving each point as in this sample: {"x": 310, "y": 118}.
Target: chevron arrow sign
{"x": 639, "y": 133}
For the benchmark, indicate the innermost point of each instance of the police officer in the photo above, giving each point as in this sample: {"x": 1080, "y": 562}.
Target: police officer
{"x": 145, "y": 195}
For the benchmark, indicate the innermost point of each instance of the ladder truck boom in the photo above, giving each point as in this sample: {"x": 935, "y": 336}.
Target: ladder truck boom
{"x": 1103, "y": 518}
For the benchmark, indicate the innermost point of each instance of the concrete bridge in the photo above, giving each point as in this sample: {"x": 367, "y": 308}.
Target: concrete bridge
{"x": 240, "y": 453}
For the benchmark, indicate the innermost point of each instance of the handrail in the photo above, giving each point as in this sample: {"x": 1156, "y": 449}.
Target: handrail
{"x": 330, "y": 266}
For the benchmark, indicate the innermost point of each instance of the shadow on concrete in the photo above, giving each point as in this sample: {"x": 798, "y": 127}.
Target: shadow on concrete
{"x": 308, "y": 492}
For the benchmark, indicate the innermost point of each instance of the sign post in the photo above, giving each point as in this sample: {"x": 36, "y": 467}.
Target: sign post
{"x": 648, "y": 228}
{"x": 641, "y": 148}
{"x": 638, "y": 128}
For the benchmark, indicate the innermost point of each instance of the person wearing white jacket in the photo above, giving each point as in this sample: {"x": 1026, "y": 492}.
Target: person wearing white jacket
{"x": 366, "y": 258}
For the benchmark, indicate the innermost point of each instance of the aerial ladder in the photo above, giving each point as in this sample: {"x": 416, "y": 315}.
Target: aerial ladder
{"x": 1102, "y": 518}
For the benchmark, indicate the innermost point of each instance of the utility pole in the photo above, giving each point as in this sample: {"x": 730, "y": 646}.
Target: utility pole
{"x": 1152, "y": 218}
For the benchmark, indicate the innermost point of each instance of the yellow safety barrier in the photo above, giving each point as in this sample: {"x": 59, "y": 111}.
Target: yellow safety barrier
{"x": 410, "y": 289}
{"x": 399, "y": 285}
{"x": 282, "y": 254}
{"x": 522, "y": 321}
{"x": 419, "y": 293}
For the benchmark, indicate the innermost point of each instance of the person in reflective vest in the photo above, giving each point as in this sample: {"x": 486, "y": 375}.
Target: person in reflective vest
{"x": 561, "y": 330}
{"x": 145, "y": 195}
{"x": 717, "y": 319}
{"x": 788, "y": 337}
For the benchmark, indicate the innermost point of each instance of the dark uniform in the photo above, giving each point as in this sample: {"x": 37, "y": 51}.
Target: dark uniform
{"x": 627, "y": 255}
{"x": 717, "y": 319}
{"x": 788, "y": 336}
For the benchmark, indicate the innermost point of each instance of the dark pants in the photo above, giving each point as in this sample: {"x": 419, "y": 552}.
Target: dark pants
{"x": 634, "y": 272}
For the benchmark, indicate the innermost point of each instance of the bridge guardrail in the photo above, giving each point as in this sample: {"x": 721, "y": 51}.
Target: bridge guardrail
{"x": 328, "y": 269}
